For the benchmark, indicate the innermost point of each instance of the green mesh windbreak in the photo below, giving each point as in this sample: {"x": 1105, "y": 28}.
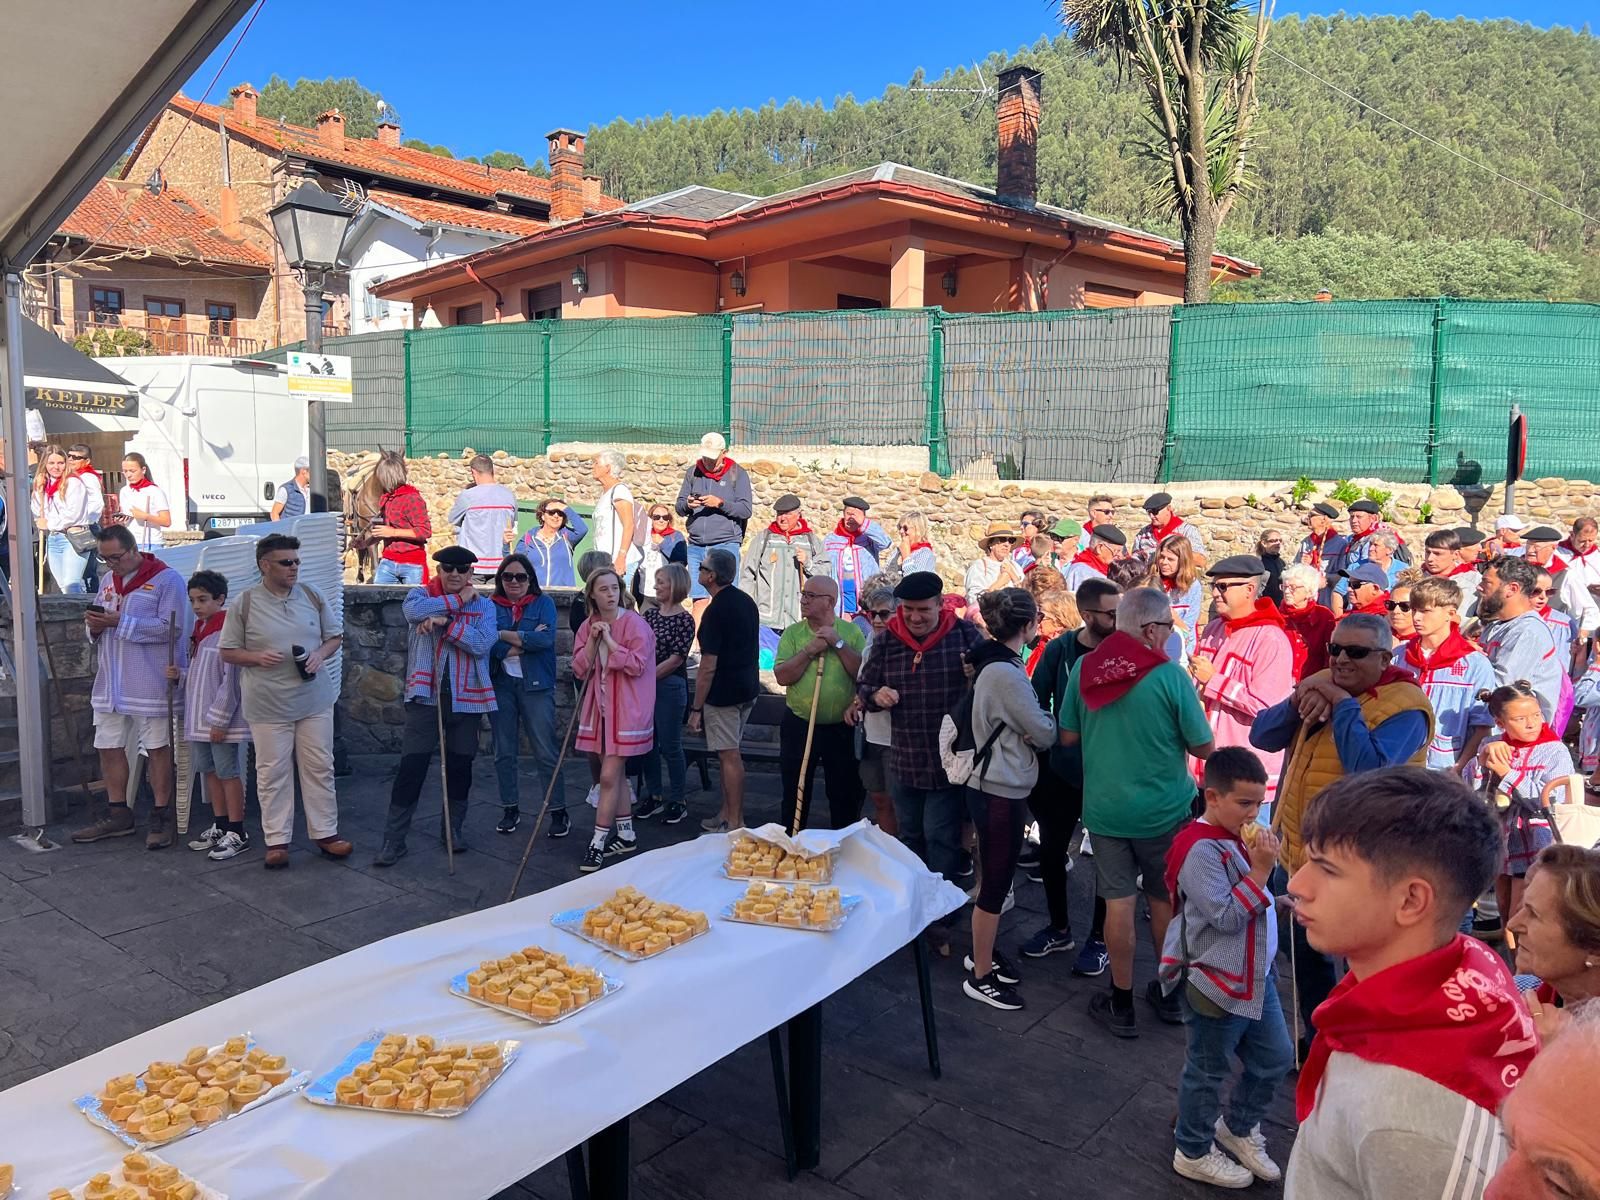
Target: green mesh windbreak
{"x": 640, "y": 379}
{"x": 480, "y": 386}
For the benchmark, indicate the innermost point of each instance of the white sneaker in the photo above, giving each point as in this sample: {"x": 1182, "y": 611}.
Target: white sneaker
{"x": 593, "y": 798}
{"x": 208, "y": 839}
{"x": 1251, "y": 1151}
{"x": 1216, "y": 1168}
{"x": 1010, "y": 901}
{"x": 228, "y": 846}
{"x": 1084, "y": 847}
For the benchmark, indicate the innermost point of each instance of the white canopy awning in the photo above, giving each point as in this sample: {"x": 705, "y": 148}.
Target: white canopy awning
{"x": 80, "y": 79}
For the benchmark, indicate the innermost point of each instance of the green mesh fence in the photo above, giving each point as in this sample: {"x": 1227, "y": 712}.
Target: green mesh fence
{"x": 1274, "y": 391}
{"x": 642, "y": 379}
{"x": 478, "y": 385}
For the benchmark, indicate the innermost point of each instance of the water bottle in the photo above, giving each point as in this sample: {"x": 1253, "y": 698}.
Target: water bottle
{"x": 300, "y": 657}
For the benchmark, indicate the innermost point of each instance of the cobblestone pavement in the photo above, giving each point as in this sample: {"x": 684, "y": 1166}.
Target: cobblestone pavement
{"x": 98, "y": 943}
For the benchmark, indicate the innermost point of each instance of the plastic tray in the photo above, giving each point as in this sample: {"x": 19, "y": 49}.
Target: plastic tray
{"x": 458, "y": 987}
{"x": 321, "y": 1089}
{"x": 847, "y": 905}
{"x": 202, "y": 1192}
{"x": 831, "y": 855}
{"x": 571, "y": 921}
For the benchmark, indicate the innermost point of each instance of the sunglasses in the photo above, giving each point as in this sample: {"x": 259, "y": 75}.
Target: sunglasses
{"x": 551, "y": 512}
{"x": 903, "y": 529}
{"x": 1005, "y": 541}
{"x": 1098, "y": 612}
{"x": 815, "y": 596}
{"x": 661, "y": 518}
{"x": 1540, "y": 592}
{"x": 287, "y": 562}
{"x": 1398, "y": 606}
{"x": 1354, "y": 653}
{"x": 514, "y": 577}
{"x": 77, "y": 458}
{"x": 445, "y": 569}
{"x": 879, "y": 614}
{"x": 1223, "y": 585}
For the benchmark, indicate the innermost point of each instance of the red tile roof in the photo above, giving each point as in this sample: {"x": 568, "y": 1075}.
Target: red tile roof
{"x": 171, "y": 225}
{"x": 437, "y": 212}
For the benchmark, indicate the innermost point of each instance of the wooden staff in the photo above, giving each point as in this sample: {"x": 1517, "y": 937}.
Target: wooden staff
{"x": 444, "y": 779}
{"x": 181, "y": 783}
{"x": 41, "y": 562}
{"x": 549, "y": 791}
{"x": 805, "y": 757}
{"x": 1277, "y": 820}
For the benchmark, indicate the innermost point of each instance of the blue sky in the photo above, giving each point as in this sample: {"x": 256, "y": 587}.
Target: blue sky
{"x": 486, "y": 76}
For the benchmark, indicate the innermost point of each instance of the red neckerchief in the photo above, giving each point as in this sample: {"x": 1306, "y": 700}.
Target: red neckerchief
{"x": 1556, "y": 565}
{"x": 714, "y": 473}
{"x": 148, "y": 569}
{"x": 1264, "y": 613}
{"x": 915, "y": 546}
{"x": 1089, "y": 559}
{"x": 1356, "y": 537}
{"x": 1453, "y": 1016}
{"x": 1452, "y": 650}
{"x": 142, "y": 484}
{"x": 789, "y": 533}
{"x": 1166, "y": 531}
{"x": 86, "y": 469}
{"x": 842, "y": 530}
{"x": 1378, "y": 607}
{"x": 516, "y": 606}
{"x": 1186, "y": 839}
{"x": 1391, "y": 674}
{"x": 1316, "y": 546}
{"x": 1545, "y": 734}
{"x": 53, "y": 485}
{"x": 1035, "y": 655}
{"x": 1463, "y": 569}
{"x": 897, "y": 626}
{"x": 1574, "y": 551}
{"x": 1112, "y": 668}
{"x": 204, "y": 629}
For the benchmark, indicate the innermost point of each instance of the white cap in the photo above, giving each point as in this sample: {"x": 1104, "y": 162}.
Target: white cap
{"x": 713, "y": 444}
{"x": 1510, "y": 521}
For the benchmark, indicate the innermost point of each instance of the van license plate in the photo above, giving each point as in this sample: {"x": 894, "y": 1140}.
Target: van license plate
{"x": 230, "y": 522}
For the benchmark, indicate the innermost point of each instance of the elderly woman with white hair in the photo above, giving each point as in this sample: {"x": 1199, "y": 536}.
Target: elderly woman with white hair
{"x": 716, "y": 502}
{"x": 1305, "y": 616}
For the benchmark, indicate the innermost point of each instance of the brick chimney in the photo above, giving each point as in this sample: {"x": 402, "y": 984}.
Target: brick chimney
{"x": 1017, "y": 175}
{"x": 591, "y": 191}
{"x": 566, "y": 174}
{"x": 244, "y": 103}
{"x": 330, "y": 128}
{"x": 388, "y": 132}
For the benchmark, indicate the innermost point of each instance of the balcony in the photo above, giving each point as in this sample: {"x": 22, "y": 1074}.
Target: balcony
{"x": 173, "y": 335}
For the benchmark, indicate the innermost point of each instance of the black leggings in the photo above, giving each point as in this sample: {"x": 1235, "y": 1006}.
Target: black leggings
{"x": 999, "y": 821}
{"x": 1057, "y": 806}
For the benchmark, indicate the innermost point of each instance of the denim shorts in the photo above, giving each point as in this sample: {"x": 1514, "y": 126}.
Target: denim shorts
{"x": 216, "y": 758}
{"x": 697, "y": 555}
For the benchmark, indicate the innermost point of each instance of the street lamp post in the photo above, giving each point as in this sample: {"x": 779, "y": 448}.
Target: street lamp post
{"x": 311, "y": 226}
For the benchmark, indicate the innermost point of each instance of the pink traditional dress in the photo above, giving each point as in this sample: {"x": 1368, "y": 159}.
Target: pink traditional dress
{"x": 1255, "y": 669}
{"x": 619, "y": 703}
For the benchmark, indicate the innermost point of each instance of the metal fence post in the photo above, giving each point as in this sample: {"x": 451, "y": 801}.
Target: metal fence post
{"x": 405, "y": 346}
{"x": 727, "y": 376}
{"x": 549, "y": 431}
{"x": 1169, "y": 442}
{"x": 1436, "y": 391}
{"x": 938, "y": 452}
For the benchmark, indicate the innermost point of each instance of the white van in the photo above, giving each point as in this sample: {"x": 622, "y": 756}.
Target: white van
{"x": 223, "y": 433}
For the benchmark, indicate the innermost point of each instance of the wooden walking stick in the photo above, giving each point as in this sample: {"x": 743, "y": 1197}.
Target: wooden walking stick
{"x": 1294, "y": 969}
{"x": 805, "y": 757}
{"x": 444, "y": 778}
{"x": 182, "y": 781}
{"x": 41, "y": 561}
{"x": 549, "y": 791}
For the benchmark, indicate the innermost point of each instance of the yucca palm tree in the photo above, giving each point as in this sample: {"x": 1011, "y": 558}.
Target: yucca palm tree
{"x": 1197, "y": 61}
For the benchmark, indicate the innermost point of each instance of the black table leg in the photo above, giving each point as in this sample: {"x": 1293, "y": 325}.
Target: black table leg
{"x": 577, "y": 1180}
{"x": 805, "y": 1086}
{"x": 930, "y": 1031}
{"x": 608, "y": 1163}
{"x": 780, "y": 1083}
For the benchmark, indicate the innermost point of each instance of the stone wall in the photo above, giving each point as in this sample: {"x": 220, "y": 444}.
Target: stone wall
{"x": 1230, "y": 515}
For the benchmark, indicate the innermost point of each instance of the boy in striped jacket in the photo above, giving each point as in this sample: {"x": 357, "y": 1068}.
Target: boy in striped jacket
{"x": 213, "y": 720}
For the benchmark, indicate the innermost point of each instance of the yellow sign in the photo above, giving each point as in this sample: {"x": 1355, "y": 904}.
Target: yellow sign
{"x": 321, "y": 377}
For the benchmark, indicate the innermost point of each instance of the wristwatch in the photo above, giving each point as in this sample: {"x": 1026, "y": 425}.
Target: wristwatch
{"x": 839, "y": 645}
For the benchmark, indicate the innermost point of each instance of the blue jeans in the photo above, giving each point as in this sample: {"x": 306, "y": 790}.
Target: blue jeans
{"x": 930, "y": 824}
{"x": 66, "y": 564}
{"x": 390, "y": 571}
{"x": 1263, "y": 1049}
{"x": 519, "y": 710}
{"x": 672, "y": 697}
{"x": 697, "y": 555}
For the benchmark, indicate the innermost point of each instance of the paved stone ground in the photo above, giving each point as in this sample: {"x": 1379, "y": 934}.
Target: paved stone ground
{"x": 98, "y": 943}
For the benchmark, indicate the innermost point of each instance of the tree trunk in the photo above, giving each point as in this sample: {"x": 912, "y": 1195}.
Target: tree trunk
{"x": 1199, "y": 244}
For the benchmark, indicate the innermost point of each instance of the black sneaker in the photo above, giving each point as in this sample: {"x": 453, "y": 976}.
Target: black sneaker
{"x": 617, "y": 845}
{"x": 998, "y": 967}
{"x": 1035, "y": 873}
{"x": 510, "y": 818}
{"x": 593, "y": 859}
{"x": 674, "y": 811}
{"x": 1047, "y": 941}
{"x": 965, "y": 869}
{"x": 647, "y": 808}
{"x": 1029, "y": 856}
{"x": 1121, "y": 1024}
{"x": 1167, "y": 1007}
{"x": 560, "y": 823}
{"x": 992, "y": 990}
{"x": 391, "y": 853}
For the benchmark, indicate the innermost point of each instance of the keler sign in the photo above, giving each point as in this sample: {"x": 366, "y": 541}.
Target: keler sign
{"x": 75, "y": 400}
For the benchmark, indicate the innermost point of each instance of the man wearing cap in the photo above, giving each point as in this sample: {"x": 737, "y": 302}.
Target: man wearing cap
{"x": 853, "y": 549}
{"x": 916, "y": 673}
{"x": 1471, "y": 552}
{"x": 1165, "y": 523}
{"x": 994, "y": 568}
{"x": 1366, "y": 589}
{"x": 1508, "y": 530}
{"x": 447, "y": 663}
{"x": 782, "y": 557}
{"x": 1323, "y": 544}
{"x": 1030, "y": 525}
{"x": 1571, "y": 595}
{"x": 1106, "y": 545}
{"x": 1243, "y": 661}
{"x": 294, "y": 498}
{"x": 1364, "y": 519}
{"x": 482, "y": 516}
{"x": 716, "y": 503}
{"x": 1513, "y": 634}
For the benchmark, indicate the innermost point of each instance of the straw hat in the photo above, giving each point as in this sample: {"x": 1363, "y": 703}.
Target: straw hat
{"x": 996, "y": 531}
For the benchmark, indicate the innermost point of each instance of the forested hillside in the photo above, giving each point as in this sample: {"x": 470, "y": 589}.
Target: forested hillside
{"x": 1345, "y": 199}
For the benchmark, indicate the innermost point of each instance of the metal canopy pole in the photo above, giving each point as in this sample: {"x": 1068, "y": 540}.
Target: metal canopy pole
{"x": 19, "y": 529}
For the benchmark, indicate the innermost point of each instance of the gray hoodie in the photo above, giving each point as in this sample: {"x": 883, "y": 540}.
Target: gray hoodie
{"x": 1003, "y": 696}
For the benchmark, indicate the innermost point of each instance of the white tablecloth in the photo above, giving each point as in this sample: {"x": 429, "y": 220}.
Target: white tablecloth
{"x": 675, "y": 1015}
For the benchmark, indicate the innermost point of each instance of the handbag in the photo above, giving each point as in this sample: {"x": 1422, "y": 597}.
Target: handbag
{"x": 83, "y": 540}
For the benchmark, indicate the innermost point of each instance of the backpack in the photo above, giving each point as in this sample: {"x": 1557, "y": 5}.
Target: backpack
{"x": 959, "y": 752}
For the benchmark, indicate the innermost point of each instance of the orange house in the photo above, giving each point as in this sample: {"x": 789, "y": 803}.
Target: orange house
{"x": 888, "y": 236}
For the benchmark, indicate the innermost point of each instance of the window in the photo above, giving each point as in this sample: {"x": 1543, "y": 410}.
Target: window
{"x": 105, "y": 305}
{"x": 155, "y": 306}
{"x": 374, "y": 308}
{"x": 469, "y": 314}
{"x": 219, "y": 318}
{"x": 857, "y": 302}
{"x": 1105, "y": 295}
{"x": 542, "y": 303}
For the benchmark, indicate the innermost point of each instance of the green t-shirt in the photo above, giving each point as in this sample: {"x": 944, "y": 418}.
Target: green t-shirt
{"x": 838, "y": 686}
{"x": 1136, "y": 781}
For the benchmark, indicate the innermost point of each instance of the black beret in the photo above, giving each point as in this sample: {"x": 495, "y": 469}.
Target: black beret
{"x": 1237, "y": 564}
{"x": 455, "y": 556}
{"x": 1157, "y": 502}
{"x": 1109, "y": 533}
{"x": 1542, "y": 533}
{"x": 919, "y": 585}
{"x": 856, "y": 502}
{"x": 787, "y": 502}
{"x": 1366, "y": 506}
{"x": 1469, "y": 536}
{"x": 1326, "y": 510}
